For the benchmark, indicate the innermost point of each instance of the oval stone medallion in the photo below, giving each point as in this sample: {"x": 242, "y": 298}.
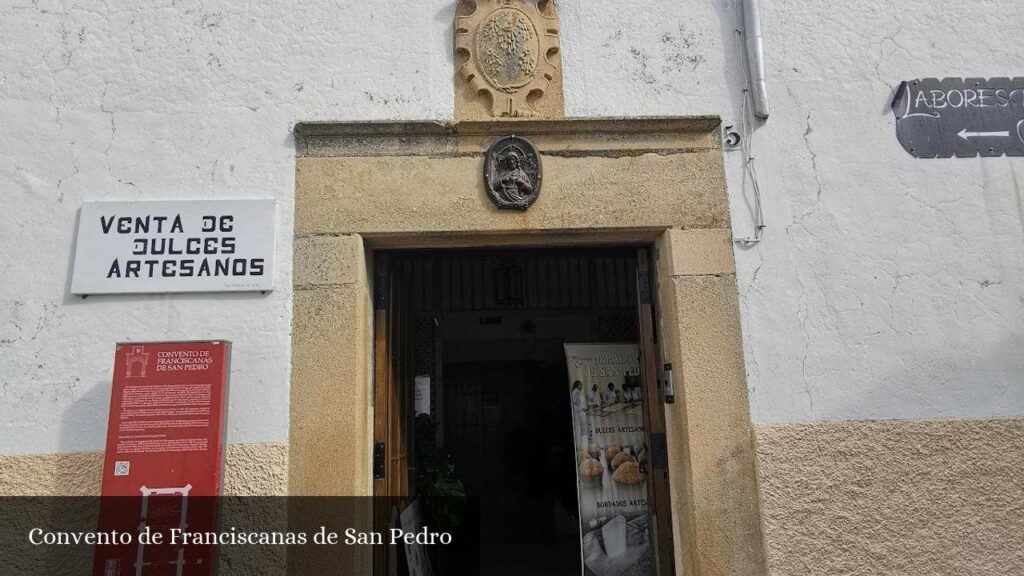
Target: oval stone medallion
{"x": 507, "y": 48}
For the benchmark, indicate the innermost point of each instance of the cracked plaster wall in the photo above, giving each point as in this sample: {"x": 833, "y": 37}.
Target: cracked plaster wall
{"x": 886, "y": 287}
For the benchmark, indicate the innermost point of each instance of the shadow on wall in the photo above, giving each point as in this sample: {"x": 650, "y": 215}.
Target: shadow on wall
{"x": 66, "y": 473}
{"x": 80, "y": 473}
{"x": 443, "y": 20}
{"x": 68, "y": 297}
{"x": 735, "y": 73}
{"x": 730, "y": 24}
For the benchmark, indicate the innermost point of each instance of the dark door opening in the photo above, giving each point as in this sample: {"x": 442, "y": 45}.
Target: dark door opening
{"x": 478, "y": 377}
{"x": 516, "y": 462}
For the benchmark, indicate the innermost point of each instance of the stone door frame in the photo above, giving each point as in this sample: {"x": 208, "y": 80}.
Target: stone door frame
{"x": 657, "y": 181}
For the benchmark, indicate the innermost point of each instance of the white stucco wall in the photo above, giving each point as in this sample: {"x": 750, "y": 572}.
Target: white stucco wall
{"x": 165, "y": 100}
{"x": 886, "y": 287}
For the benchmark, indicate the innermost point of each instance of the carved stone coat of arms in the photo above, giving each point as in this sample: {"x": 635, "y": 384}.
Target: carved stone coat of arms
{"x": 509, "y": 47}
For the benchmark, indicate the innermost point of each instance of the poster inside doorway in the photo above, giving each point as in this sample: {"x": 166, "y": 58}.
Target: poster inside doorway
{"x": 611, "y": 458}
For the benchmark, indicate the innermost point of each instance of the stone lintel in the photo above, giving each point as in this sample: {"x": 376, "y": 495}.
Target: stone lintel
{"x": 582, "y": 136}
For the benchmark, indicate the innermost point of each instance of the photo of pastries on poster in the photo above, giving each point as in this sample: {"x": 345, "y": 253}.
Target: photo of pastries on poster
{"x": 611, "y": 458}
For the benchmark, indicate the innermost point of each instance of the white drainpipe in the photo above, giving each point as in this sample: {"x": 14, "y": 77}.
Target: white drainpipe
{"x": 755, "y": 57}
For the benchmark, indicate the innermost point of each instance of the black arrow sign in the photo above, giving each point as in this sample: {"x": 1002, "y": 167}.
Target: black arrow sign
{"x": 960, "y": 117}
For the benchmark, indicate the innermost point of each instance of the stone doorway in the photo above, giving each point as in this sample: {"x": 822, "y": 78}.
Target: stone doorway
{"x": 362, "y": 188}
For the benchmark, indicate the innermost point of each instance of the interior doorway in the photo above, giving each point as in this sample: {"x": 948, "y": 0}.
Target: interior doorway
{"x": 473, "y": 393}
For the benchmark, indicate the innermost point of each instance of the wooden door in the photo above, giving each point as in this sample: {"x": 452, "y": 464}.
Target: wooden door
{"x": 659, "y": 502}
{"x": 392, "y": 421}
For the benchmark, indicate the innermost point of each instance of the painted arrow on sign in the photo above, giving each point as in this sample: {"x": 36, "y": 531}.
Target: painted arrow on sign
{"x": 960, "y": 117}
{"x": 968, "y": 135}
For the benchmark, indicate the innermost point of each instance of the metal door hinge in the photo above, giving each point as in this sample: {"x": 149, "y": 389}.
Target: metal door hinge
{"x": 670, "y": 387}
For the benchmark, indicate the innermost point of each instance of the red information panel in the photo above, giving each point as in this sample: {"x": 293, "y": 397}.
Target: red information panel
{"x": 164, "y": 457}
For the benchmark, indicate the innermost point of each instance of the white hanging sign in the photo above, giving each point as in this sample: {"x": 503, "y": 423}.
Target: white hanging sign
{"x": 422, "y": 394}
{"x": 175, "y": 246}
